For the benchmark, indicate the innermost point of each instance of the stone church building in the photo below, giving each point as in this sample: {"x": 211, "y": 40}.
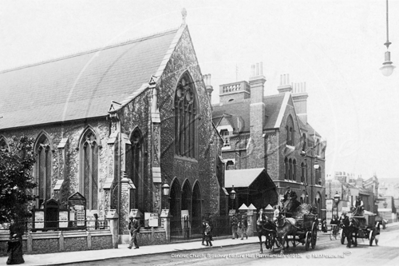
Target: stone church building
{"x": 117, "y": 124}
{"x": 269, "y": 138}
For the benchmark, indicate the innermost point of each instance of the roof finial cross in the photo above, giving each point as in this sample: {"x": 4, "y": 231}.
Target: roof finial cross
{"x": 184, "y": 15}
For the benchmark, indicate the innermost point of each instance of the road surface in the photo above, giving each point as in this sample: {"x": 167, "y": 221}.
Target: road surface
{"x": 327, "y": 252}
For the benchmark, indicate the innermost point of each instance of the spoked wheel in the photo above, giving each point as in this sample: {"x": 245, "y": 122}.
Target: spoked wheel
{"x": 314, "y": 235}
{"x": 307, "y": 240}
{"x": 276, "y": 243}
{"x": 269, "y": 241}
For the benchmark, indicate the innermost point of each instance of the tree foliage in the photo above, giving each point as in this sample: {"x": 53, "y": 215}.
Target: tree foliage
{"x": 16, "y": 181}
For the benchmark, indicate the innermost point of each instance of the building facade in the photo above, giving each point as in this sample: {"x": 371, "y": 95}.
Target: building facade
{"x": 117, "y": 123}
{"x": 272, "y": 132}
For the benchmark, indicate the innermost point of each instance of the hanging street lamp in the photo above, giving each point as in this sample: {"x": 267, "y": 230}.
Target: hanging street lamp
{"x": 387, "y": 67}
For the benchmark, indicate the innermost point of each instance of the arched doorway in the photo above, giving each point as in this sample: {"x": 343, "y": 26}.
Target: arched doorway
{"x": 186, "y": 200}
{"x": 175, "y": 209}
{"x": 196, "y": 210}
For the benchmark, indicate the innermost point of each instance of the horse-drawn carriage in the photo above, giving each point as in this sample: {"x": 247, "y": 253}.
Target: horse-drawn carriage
{"x": 301, "y": 227}
{"x": 355, "y": 225}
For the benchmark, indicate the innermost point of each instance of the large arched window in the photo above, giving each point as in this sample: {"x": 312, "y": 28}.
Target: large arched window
{"x": 302, "y": 172}
{"x": 185, "y": 113}
{"x": 318, "y": 176}
{"x": 290, "y": 131}
{"x": 135, "y": 168}
{"x": 43, "y": 168}
{"x": 286, "y": 166}
{"x": 89, "y": 168}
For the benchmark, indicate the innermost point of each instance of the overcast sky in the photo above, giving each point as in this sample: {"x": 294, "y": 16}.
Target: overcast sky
{"x": 336, "y": 47}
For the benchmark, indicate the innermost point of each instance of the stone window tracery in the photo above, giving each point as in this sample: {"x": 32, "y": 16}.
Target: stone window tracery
{"x": 89, "y": 169}
{"x": 185, "y": 114}
{"x": 43, "y": 168}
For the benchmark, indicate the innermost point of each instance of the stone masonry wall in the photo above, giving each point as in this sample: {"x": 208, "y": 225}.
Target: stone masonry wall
{"x": 73, "y": 131}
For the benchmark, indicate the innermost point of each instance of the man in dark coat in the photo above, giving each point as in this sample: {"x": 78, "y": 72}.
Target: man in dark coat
{"x": 234, "y": 223}
{"x": 134, "y": 228}
{"x": 203, "y": 232}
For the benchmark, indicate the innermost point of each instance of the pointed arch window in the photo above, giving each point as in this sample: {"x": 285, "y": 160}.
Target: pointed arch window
{"x": 43, "y": 168}
{"x": 294, "y": 171}
{"x": 290, "y": 131}
{"x": 135, "y": 169}
{"x": 302, "y": 172}
{"x": 185, "y": 114}
{"x": 89, "y": 169}
{"x": 290, "y": 170}
{"x": 286, "y": 168}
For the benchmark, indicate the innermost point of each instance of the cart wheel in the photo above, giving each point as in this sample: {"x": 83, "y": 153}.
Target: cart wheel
{"x": 307, "y": 241}
{"x": 269, "y": 242}
{"x": 314, "y": 235}
{"x": 371, "y": 237}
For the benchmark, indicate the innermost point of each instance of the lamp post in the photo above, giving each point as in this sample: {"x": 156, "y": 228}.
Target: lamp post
{"x": 303, "y": 154}
{"x": 387, "y": 67}
{"x": 337, "y": 199}
{"x": 165, "y": 191}
{"x": 232, "y": 196}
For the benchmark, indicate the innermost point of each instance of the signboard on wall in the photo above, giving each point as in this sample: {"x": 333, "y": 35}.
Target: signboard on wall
{"x": 80, "y": 215}
{"x": 63, "y": 219}
{"x": 154, "y": 220}
{"x": 39, "y": 219}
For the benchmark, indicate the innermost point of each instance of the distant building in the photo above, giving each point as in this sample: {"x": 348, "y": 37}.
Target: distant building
{"x": 348, "y": 188}
{"x": 388, "y": 202}
{"x": 271, "y": 132}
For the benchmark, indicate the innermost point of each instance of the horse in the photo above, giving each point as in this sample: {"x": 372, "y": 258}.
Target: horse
{"x": 350, "y": 228}
{"x": 266, "y": 227}
{"x": 285, "y": 227}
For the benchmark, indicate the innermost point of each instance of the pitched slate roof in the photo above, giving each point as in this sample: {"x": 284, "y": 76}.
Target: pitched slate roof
{"x": 242, "y": 109}
{"x": 82, "y": 85}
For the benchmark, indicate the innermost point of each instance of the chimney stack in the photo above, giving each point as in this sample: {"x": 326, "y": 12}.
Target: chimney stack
{"x": 285, "y": 85}
{"x": 300, "y": 96}
{"x": 257, "y": 117}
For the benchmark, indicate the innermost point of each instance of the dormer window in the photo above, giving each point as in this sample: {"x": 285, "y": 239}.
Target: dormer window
{"x": 224, "y": 133}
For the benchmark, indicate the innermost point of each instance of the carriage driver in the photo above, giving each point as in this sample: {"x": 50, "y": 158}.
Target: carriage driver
{"x": 359, "y": 205}
{"x": 289, "y": 194}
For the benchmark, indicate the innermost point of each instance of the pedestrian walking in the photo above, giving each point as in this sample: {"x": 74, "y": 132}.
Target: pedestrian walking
{"x": 203, "y": 232}
{"x": 14, "y": 250}
{"x": 134, "y": 228}
{"x": 244, "y": 227}
{"x": 208, "y": 234}
{"x": 234, "y": 224}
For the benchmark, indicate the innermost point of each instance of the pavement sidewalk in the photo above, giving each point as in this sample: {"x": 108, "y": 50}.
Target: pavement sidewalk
{"x": 122, "y": 251}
